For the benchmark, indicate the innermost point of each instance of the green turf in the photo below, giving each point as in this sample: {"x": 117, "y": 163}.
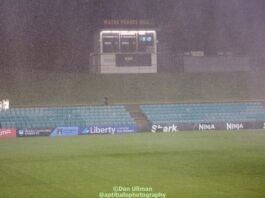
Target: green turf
{"x": 186, "y": 164}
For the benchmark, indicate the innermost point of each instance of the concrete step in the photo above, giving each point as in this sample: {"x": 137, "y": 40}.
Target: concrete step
{"x": 142, "y": 122}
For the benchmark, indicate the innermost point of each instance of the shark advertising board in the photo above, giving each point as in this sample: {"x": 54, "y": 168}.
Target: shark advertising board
{"x": 228, "y": 126}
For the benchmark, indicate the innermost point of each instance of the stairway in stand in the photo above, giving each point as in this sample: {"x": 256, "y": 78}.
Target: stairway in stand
{"x": 142, "y": 122}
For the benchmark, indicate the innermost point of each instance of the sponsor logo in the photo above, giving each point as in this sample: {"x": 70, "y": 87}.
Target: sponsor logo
{"x": 85, "y": 131}
{"x": 165, "y": 129}
{"x": 108, "y": 129}
{"x": 65, "y": 131}
{"x": 126, "y": 129}
{"x": 234, "y": 126}
{"x": 5, "y": 132}
{"x": 34, "y": 132}
{"x": 101, "y": 130}
{"x": 8, "y": 133}
{"x": 98, "y": 130}
{"x": 203, "y": 127}
{"x": 21, "y": 132}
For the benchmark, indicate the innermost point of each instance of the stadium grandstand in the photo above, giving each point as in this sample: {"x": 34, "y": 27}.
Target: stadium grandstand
{"x": 136, "y": 101}
{"x": 52, "y": 117}
{"x": 150, "y": 98}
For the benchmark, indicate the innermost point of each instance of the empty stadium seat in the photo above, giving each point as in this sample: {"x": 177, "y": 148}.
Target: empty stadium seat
{"x": 50, "y": 117}
{"x": 203, "y": 113}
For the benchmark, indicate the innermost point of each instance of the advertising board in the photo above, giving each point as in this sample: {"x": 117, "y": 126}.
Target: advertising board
{"x": 108, "y": 129}
{"x": 65, "y": 131}
{"x": 33, "y": 132}
{"x": 73, "y": 131}
{"x": 8, "y": 133}
{"x": 229, "y": 126}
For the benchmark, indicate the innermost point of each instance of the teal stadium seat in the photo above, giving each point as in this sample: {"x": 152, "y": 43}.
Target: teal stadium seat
{"x": 199, "y": 113}
{"x": 51, "y": 117}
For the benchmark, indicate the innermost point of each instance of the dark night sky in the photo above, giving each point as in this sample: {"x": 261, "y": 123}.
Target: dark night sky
{"x": 58, "y": 33}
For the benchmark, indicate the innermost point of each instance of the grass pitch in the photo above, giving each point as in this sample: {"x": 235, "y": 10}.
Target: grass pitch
{"x": 186, "y": 164}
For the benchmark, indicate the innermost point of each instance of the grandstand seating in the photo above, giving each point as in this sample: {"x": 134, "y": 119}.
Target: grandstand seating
{"x": 204, "y": 113}
{"x": 50, "y": 117}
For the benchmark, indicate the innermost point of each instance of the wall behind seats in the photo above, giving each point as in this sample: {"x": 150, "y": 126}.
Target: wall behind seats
{"x": 216, "y": 64}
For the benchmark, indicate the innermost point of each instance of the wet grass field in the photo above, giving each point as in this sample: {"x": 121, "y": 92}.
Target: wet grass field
{"x": 185, "y": 164}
